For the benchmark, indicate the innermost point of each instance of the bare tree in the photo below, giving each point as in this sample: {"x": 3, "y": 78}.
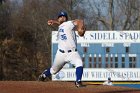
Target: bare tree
{"x": 115, "y": 14}
{"x": 130, "y": 13}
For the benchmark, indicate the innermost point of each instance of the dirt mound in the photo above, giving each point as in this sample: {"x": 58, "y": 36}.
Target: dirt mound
{"x": 58, "y": 87}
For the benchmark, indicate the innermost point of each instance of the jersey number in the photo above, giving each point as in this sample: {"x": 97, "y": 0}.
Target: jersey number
{"x": 63, "y": 37}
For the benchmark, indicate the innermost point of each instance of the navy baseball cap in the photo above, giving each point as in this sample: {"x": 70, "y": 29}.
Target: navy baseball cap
{"x": 62, "y": 13}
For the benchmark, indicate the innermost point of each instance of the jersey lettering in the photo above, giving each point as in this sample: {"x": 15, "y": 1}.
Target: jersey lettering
{"x": 62, "y": 35}
{"x": 61, "y": 30}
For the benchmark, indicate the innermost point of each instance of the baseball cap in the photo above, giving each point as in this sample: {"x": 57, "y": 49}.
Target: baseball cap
{"x": 62, "y": 13}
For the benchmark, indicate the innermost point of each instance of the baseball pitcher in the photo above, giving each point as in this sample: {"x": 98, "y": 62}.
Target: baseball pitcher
{"x": 67, "y": 47}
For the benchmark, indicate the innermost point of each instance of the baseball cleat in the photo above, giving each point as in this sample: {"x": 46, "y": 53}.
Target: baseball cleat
{"x": 79, "y": 84}
{"x": 41, "y": 78}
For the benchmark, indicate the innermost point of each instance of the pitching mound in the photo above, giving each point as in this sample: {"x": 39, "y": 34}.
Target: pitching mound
{"x": 58, "y": 87}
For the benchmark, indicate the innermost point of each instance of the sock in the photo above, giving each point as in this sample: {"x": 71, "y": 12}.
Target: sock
{"x": 79, "y": 72}
{"x": 47, "y": 73}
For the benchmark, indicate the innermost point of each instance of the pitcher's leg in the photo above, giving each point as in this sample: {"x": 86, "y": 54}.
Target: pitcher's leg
{"x": 79, "y": 73}
{"x": 59, "y": 62}
{"x": 79, "y": 69}
{"x": 48, "y": 72}
{"x": 77, "y": 62}
{"x": 45, "y": 74}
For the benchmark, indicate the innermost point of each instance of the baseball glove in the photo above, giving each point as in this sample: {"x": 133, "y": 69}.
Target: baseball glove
{"x": 81, "y": 27}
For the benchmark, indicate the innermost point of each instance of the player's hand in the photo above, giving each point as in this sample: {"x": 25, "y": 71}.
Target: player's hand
{"x": 53, "y": 22}
{"x": 50, "y": 22}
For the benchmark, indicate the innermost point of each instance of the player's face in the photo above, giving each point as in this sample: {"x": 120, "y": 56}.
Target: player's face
{"x": 62, "y": 19}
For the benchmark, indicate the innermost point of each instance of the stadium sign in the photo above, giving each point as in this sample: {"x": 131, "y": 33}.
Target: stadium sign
{"x": 122, "y": 40}
{"x": 101, "y": 74}
{"x": 105, "y": 37}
